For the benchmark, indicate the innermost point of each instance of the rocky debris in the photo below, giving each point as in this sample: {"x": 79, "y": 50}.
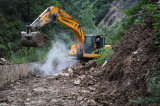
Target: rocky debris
{"x": 123, "y": 76}
{"x": 77, "y": 82}
{"x": 104, "y": 63}
{"x": 70, "y": 71}
{"x": 44, "y": 90}
{"x": 64, "y": 74}
{"x": 120, "y": 78}
{"x": 4, "y": 62}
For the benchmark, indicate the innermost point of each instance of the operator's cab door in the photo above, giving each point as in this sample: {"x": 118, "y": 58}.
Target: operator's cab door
{"x": 90, "y": 41}
{"x": 99, "y": 40}
{"x": 89, "y": 44}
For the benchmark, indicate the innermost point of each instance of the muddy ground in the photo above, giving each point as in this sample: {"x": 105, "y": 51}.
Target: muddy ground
{"x": 121, "y": 78}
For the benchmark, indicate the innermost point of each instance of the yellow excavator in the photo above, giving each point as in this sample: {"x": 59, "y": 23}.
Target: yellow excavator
{"x": 88, "y": 46}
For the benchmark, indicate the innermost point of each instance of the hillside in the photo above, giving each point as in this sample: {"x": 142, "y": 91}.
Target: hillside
{"x": 115, "y": 11}
{"x": 123, "y": 77}
{"x": 132, "y": 70}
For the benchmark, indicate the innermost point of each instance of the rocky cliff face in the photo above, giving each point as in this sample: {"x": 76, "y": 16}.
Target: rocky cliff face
{"x": 115, "y": 11}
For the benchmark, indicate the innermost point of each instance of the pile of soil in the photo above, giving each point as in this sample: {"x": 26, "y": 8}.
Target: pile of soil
{"x": 124, "y": 75}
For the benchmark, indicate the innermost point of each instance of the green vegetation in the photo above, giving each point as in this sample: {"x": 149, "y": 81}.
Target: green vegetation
{"x": 101, "y": 7}
{"x": 13, "y": 20}
{"x": 106, "y": 53}
{"x": 13, "y": 15}
{"x": 153, "y": 11}
{"x": 25, "y": 56}
{"x": 112, "y": 33}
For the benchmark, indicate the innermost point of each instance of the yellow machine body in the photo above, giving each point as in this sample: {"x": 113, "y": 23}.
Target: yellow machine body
{"x": 33, "y": 38}
{"x": 73, "y": 51}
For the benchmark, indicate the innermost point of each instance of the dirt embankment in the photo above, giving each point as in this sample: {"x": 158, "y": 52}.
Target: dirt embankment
{"x": 124, "y": 75}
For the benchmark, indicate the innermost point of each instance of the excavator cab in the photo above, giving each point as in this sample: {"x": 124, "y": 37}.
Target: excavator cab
{"x": 92, "y": 46}
{"x": 91, "y": 41}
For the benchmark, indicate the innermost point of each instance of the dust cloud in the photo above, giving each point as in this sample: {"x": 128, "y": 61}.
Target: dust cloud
{"x": 56, "y": 60}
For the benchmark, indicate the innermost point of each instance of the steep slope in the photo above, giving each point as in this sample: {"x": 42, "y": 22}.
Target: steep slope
{"x": 124, "y": 75}
{"x": 115, "y": 11}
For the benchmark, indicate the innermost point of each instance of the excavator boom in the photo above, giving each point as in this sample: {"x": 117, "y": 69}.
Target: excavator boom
{"x": 33, "y": 38}
{"x": 89, "y": 48}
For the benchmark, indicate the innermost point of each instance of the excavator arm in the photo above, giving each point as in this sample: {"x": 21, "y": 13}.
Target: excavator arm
{"x": 52, "y": 14}
{"x": 89, "y": 48}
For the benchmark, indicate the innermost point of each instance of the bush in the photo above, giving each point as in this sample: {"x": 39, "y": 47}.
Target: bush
{"x": 24, "y": 55}
{"x": 106, "y": 53}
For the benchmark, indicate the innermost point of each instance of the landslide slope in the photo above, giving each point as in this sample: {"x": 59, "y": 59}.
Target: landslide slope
{"x": 124, "y": 75}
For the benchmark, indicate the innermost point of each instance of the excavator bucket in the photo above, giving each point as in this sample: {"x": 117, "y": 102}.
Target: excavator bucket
{"x": 33, "y": 39}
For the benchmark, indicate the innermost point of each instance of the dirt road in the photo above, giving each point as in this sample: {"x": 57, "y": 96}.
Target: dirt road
{"x": 48, "y": 90}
